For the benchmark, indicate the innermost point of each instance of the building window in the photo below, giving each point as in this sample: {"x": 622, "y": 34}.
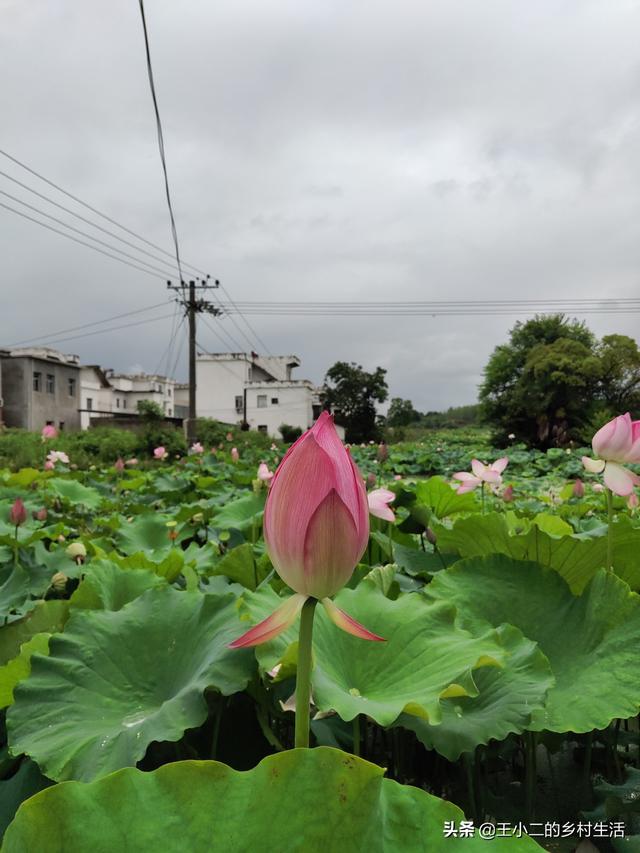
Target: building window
{"x": 262, "y": 428}
{"x": 37, "y": 380}
{"x": 61, "y": 426}
{"x": 239, "y": 403}
{"x": 89, "y": 404}
{"x": 117, "y": 402}
{"x": 168, "y": 391}
{"x": 274, "y": 401}
{"x": 170, "y": 413}
{"x": 72, "y": 386}
{"x": 51, "y": 383}
{"x": 262, "y": 401}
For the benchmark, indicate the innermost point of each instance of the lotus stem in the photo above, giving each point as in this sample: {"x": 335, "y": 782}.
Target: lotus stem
{"x": 356, "y": 734}
{"x": 482, "y": 495}
{"x": 530, "y": 783}
{"x": 609, "y": 495}
{"x": 303, "y": 676}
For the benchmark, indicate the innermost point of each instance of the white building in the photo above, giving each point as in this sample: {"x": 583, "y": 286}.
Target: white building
{"x": 104, "y": 393}
{"x": 96, "y": 395}
{"x": 237, "y": 387}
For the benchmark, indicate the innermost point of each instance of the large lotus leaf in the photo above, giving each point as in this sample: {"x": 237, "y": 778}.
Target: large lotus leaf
{"x": 508, "y": 696}
{"x": 576, "y": 558}
{"x": 47, "y": 616}
{"x": 25, "y": 782}
{"x": 425, "y": 658}
{"x": 116, "y": 680}
{"x": 240, "y": 514}
{"x": 15, "y": 599}
{"x": 75, "y": 493}
{"x": 334, "y": 802}
{"x": 147, "y": 532}
{"x": 108, "y": 587}
{"x": 591, "y": 640}
{"x": 16, "y": 670}
{"x": 240, "y": 565}
{"x": 165, "y": 564}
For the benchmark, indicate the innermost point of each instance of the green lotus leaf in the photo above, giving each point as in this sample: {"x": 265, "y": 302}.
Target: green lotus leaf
{"x": 576, "y": 559}
{"x": 240, "y": 514}
{"x": 507, "y": 698}
{"x": 147, "y": 532}
{"x": 425, "y": 657}
{"x": 341, "y": 804}
{"x": 108, "y": 587}
{"x": 47, "y": 616}
{"x": 442, "y": 499}
{"x": 27, "y": 780}
{"x": 15, "y": 599}
{"x": 16, "y": 670}
{"x": 591, "y": 640}
{"x": 240, "y": 565}
{"x": 116, "y": 680}
{"x": 76, "y": 493}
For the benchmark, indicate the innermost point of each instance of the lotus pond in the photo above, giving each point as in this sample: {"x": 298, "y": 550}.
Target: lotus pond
{"x": 501, "y": 712}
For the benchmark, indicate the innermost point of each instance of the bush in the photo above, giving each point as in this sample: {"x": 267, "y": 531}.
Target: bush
{"x": 290, "y": 433}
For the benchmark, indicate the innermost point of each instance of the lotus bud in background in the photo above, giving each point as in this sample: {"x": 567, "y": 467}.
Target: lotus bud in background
{"x": 48, "y": 432}
{"x": 235, "y": 456}
{"x": 371, "y": 480}
{"x": 616, "y": 443}
{"x": 131, "y": 462}
{"x": 196, "y": 448}
{"x": 160, "y": 453}
{"x": 40, "y": 514}
{"x": 264, "y": 473}
{"x": 578, "y": 488}
{"x": 77, "y": 552}
{"x": 119, "y": 465}
{"x": 48, "y": 465}
{"x": 379, "y": 501}
{"x": 431, "y": 536}
{"x": 507, "y": 494}
{"x": 383, "y": 452}
{"x": 18, "y": 513}
{"x": 633, "y": 501}
{"x": 229, "y": 436}
{"x": 316, "y": 528}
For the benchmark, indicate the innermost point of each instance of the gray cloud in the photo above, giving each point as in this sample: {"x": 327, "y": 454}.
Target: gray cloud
{"x": 331, "y": 151}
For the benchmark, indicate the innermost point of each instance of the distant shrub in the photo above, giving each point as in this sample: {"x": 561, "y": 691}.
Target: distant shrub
{"x": 290, "y": 433}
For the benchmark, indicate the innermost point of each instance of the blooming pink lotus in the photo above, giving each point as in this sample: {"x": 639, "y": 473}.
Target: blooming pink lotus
{"x": 55, "y": 456}
{"x": 615, "y": 443}
{"x": 481, "y": 474}
{"x": 196, "y": 448}
{"x": 235, "y": 455}
{"x": 18, "y": 513}
{"x": 379, "y": 500}
{"x": 316, "y": 528}
{"x": 160, "y": 453}
{"x": 264, "y": 473}
{"x": 49, "y": 431}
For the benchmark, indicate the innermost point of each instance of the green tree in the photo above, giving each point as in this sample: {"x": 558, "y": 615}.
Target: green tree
{"x": 543, "y": 385}
{"x": 619, "y": 373}
{"x": 401, "y": 413}
{"x": 352, "y": 393}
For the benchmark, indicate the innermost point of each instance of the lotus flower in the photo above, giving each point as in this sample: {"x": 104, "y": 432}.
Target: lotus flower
{"x": 379, "y": 501}
{"x": 578, "y": 488}
{"x": 633, "y": 501}
{"x": 615, "y": 443}
{"x": 160, "y": 453}
{"x": 119, "y": 464}
{"x": 481, "y": 474}
{"x": 196, "y": 448}
{"x": 316, "y": 528}
{"x": 507, "y": 494}
{"x": 235, "y": 456}
{"x": 264, "y": 473}
{"x": 49, "y": 431}
{"x": 18, "y": 513}
{"x": 55, "y": 456}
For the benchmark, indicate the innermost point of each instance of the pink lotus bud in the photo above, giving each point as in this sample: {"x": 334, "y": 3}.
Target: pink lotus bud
{"x": 397, "y": 476}
{"x": 507, "y": 494}
{"x": 131, "y": 462}
{"x": 371, "y": 480}
{"x": 633, "y": 501}
{"x": 578, "y": 488}
{"x": 160, "y": 453}
{"x": 229, "y": 436}
{"x": 48, "y": 465}
{"x": 431, "y": 536}
{"x": 379, "y": 501}
{"x": 598, "y": 487}
{"x": 383, "y": 452}
{"x": 264, "y": 473}
{"x": 119, "y": 464}
{"x": 235, "y": 456}
{"x": 18, "y": 513}
{"x": 49, "y": 431}
{"x": 316, "y": 527}
{"x": 40, "y": 514}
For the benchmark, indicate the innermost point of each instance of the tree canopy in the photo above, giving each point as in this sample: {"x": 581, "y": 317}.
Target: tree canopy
{"x": 352, "y": 393}
{"x": 553, "y": 377}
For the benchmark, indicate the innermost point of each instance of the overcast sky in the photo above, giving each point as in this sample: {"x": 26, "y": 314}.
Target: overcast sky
{"x": 434, "y": 149}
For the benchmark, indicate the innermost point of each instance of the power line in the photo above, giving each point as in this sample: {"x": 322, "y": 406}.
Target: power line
{"x": 103, "y": 331}
{"x": 244, "y": 319}
{"x": 84, "y": 233}
{"x": 90, "y": 207}
{"x": 174, "y": 232}
{"x": 77, "y": 215}
{"x": 76, "y": 240}
{"x": 234, "y": 342}
{"x": 88, "y": 325}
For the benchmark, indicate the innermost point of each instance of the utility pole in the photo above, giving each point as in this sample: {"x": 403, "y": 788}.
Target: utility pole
{"x": 193, "y": 306}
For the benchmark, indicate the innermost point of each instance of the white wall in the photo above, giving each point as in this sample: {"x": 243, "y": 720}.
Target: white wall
{"x": 218, "y": 383}
{"x": 293, "y": 406}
